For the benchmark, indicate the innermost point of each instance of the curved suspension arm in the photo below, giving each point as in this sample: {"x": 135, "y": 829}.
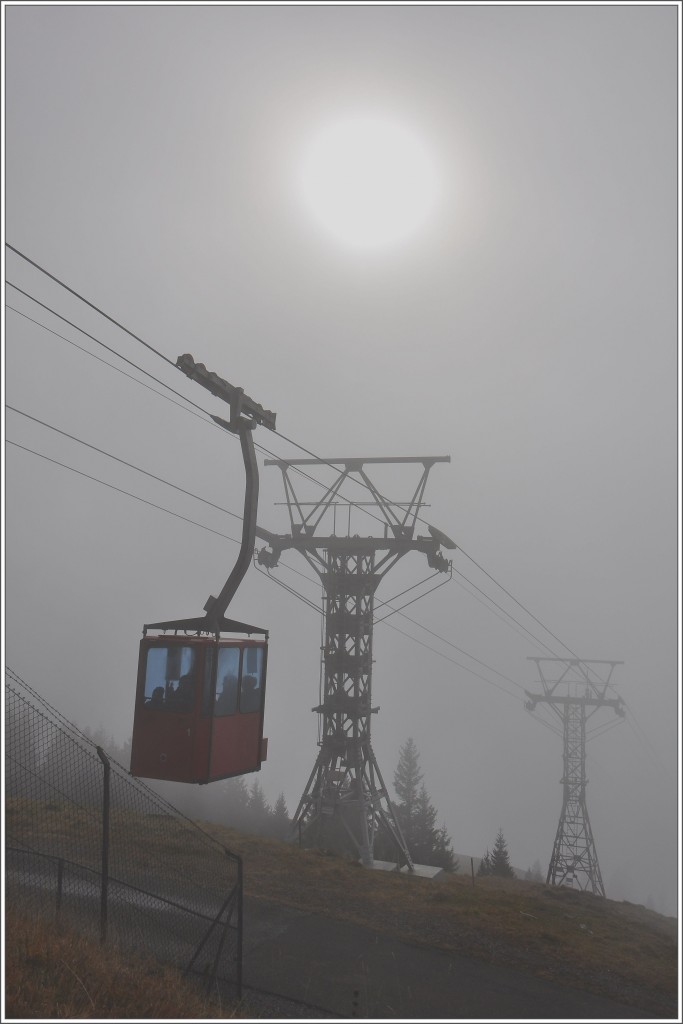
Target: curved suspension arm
{"x": 215, "y": 607}
{"x": 245, "y": 414}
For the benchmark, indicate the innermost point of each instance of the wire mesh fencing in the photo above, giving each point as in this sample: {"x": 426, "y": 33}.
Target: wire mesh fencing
{"x": 95, "y": 848}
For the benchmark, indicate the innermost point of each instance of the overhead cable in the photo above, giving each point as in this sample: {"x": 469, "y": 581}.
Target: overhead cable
{"x": 122, "y": 491}
{"x": 211, "y": 423}
{"x": 151, "y": 348}
{"x": 291, "y": 590}
{"x": 91, "y": 304}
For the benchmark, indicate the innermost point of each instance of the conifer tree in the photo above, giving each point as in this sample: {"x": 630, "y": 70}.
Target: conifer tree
{"x": 442, "y": 855}
{"x": 236, "y": 801}
{"x": 417, "y": 816}
{"x": 257, "y": 806}
{"x": 485, "y": 866}
{"x": 407, "y": 779}
{"x": 500, "y": 859}
{"x": 424, "y": 830}
{"x": 280, "y": 821}
{"x": 535, "y": 873}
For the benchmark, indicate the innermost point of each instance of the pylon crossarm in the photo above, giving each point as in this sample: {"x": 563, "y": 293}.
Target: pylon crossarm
{"x": 292, "y": 502}
{"x": 416, "y": 505}
{"x": 383, "y": 565}
{"x": 308, "y": 523}
{"x": 395, "y": 524}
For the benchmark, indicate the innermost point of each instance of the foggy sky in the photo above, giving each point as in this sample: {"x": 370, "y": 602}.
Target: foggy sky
{"x": 529, "y": 331}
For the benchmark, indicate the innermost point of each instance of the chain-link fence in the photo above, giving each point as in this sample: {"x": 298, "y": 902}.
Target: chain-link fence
{"x": 96, "y": 848}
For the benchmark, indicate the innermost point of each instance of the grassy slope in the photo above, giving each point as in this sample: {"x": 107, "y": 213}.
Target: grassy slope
{"x": 618, "y": 950}
{"x": 53, "y": 973}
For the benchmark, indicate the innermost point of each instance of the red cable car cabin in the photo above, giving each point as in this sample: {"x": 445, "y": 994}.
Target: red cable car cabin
{"x": 199, "y": 708}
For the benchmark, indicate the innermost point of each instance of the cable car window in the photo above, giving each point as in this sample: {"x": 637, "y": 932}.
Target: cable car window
{"x": 227, "y": 681}
{"x": 169, "y": 678}
{"x": 251, "y": 694}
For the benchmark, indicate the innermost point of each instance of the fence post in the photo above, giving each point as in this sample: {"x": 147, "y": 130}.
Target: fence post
{"x": 105, "y": 846}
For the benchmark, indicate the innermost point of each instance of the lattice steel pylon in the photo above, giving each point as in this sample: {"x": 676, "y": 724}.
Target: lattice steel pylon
{"x": 574, "y": 861}
{"x": 345, "y": 786}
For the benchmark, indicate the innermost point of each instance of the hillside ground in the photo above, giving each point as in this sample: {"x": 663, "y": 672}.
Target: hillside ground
{"x": 617, "y": 950}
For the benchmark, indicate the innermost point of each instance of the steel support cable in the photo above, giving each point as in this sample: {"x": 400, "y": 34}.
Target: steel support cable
{"x": 290, "y": 568}
{"x": 151, "y": 348}
{"x": 542, "y": 721}
{"x": 453, "y": 661}
{"x": 123, "y": 462}
{"x": 525, "y": 609}
{"x": 600, "y": 730}
{"x": 153, "y": 476}
{"x": 409, "y": 637}
{"x": 196, "y": 406}
{"x": 649, "y": 757}
{"x": 234, "y": 515}
{"x": 201, "y": 410}
{"x": 640, "y": 733}
{"x": 290, "y": 590}
{"x": 88, "y": 303}
{"x": 396, "y": 611}
{"x": 139, "y": 470}
{"x": 102, "y": 344}
{"x": 537, "y": 641}
{"x": 136, "y": 337}
{"x": 117, "y": 369}
{"x": 289, "y": 440}
{"x": 144, "y": 501}
{"x": 418, "y": 518}
{"x": 456, "y": 648}
{"x": 399, "y": 611}
{"x": 120, "y": 490}
{"x": 201, "y": 414}
{"x": 217, "y": 533}
{"x": 637, "y": 727}
{"x": 401, "y": 593}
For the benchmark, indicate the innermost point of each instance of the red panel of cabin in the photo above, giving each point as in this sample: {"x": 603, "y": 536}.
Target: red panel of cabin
{"x": 199, "y": 709}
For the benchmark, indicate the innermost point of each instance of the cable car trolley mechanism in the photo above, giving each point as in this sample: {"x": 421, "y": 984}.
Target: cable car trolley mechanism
{"x": 200, "y": 694}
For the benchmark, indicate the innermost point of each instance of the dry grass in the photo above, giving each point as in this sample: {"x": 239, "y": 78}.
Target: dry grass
{"x": 54, "y": 973}
{"x": 617, "y": 950}
{"x": 135, "y": 837}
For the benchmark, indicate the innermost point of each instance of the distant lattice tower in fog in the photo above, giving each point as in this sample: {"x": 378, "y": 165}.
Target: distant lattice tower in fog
{"x": 575, "y": 697}
{"x": 345, "y": 790}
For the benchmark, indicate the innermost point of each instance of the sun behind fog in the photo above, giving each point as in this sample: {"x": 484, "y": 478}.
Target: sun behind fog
{"x": 368, "y": 181}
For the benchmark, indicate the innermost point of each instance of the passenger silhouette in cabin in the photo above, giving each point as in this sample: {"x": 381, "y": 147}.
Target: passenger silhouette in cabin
{"x": 251, "y": 694}
{"x": 226, "y": 704}
{"x": 157, "y": 698}
{"x": 183, "y": 698}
